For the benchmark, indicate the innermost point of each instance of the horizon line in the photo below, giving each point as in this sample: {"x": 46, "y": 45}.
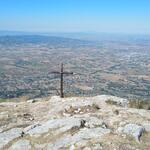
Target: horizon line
{"x": 73, "y": 32}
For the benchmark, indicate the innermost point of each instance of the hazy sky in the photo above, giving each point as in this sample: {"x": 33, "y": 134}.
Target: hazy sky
{"x": 127, "y": 16}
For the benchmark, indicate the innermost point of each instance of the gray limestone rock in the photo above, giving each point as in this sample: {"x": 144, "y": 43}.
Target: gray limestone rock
{"x": 146, "y": 126}
{"x": 63, "y": 125}
{"x": 83, "y": 134}
{"x": 9, "y": 135}
{"x": 132, "y": 129}
{"x": 27, "y": 129}
{"x": 21, "y": 145}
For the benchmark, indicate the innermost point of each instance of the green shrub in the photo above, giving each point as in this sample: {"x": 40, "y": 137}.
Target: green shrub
{"x": 139, "y": 104}
{"x": 111, "y": 102}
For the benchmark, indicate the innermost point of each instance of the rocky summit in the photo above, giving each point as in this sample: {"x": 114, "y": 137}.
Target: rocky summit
{"x": 76, "y": 123}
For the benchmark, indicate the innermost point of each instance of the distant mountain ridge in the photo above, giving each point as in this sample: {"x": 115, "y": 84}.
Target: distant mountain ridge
{"x": 40, "y": 39}
{"x": 88, "y": 36}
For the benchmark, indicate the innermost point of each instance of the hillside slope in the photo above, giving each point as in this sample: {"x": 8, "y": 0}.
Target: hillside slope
{"x": 89, "y": 123}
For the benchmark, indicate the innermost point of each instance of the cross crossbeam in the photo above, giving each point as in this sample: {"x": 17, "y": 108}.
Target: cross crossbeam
{"x": 62, "y": 73}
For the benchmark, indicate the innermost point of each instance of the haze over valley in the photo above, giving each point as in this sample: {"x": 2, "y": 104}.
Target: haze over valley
{"x": 109, "y": 65}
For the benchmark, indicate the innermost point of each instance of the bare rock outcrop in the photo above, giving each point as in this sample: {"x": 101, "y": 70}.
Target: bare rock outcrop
{"x": 89, "y": 123}
{"x": 132, "y": 129}
{"x": 10, "y": 135}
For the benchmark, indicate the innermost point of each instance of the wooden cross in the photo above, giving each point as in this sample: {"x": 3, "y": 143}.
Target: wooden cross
{"x": 62, "y": 73}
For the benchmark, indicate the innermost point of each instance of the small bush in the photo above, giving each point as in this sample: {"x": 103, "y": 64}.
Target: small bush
{"x": 139, "y": 104}
{"x": 111, "y": 102}
{"x": 95, "y": 106}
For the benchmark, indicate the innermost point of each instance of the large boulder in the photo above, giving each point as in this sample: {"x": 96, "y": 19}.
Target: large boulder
{"x": 132, "y": 129}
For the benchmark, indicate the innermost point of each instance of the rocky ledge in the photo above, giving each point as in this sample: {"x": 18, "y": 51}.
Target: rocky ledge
{"x": 88, "y": 123}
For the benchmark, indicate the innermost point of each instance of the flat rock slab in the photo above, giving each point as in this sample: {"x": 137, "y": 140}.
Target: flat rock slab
{"x": 83, "y": 134}
{"x": 9, "y": 135}
{"x": 21, "y": 145}
{"x": 63, "y": 125}
{"x": 119, "y": 101}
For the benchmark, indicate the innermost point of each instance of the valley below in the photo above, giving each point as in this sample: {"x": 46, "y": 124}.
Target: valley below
{"x": 113, "y": 67}
{"x": 106, "y": 104}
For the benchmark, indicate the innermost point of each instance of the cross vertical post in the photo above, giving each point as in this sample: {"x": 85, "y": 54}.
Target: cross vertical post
{"x": 61, "y": 73}
{"x": 61, "y": 82}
